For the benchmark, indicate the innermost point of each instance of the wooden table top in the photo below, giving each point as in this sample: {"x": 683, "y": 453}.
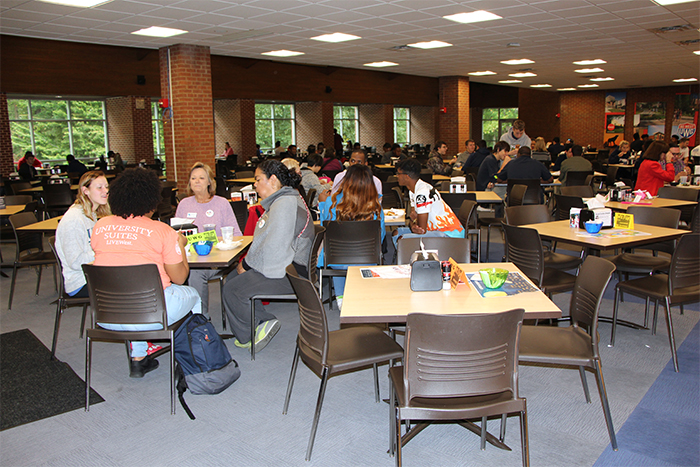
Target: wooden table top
{"x": 562, "y": 231}
{"x": 40, "y": 189}
{"x": 384, "y": 166}
{"x": 441, "y": 177}
{"x": 388, "y": 222}
{"x": 486, "y": 197}
{"x": 11, "y": 210}
{"x": 47, "y": 226}
{"x": 377, "y": 300}
{"x": 242, "y": 181}
{"x": 654, "y": 203}
{"x": 218, "y": 259}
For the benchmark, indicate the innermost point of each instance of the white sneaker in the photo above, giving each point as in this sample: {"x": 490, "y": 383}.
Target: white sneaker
{"x": 339, "y": 301}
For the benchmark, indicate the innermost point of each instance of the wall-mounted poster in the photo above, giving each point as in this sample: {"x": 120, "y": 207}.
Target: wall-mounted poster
{"x": 685, "y": 117}
{"x": 650, "y": 118}
{"x": 615, "y": 105}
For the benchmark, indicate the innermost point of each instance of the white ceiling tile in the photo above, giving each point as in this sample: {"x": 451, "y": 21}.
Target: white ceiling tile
{"x": 34, "y": 17}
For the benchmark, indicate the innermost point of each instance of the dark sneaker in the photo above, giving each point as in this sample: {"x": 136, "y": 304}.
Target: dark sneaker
{"x": 140, "y": 368}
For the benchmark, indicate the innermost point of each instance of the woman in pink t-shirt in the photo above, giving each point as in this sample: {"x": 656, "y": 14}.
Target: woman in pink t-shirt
{"x": 131, "y": 237}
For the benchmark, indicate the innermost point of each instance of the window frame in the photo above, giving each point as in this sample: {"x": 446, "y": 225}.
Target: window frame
{"x": 407, "y": 122}
{"x": 338, "y": 122}
{"x": 501, "y": 121}
{"x": 273, "y": 120}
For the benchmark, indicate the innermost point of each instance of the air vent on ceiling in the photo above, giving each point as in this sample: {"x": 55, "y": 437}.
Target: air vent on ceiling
{"x": 688, "y": 42}
{"x": 240, "y": 35}
{"x": 678, "y": 28}
{"x": 400, "y": 48}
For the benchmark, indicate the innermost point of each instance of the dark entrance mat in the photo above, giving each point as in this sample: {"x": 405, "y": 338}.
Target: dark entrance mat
{"x": 32, "y": 386}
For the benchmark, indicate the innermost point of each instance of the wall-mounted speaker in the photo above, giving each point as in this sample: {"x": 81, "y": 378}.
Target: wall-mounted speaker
{"x": 329, "y": 89}
{"x": 140, "y": 79}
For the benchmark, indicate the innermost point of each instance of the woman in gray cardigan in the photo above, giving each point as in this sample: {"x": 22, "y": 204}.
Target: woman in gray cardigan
{"x": 75, "y": 228}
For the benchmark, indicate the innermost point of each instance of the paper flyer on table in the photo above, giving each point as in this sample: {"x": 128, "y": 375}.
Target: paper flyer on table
{"x": 514, "y": 285}
{"x": 394, "y": 272}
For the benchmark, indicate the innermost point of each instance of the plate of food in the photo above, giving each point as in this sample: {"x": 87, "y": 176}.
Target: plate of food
{"x": 394, "y": 214}
{"x": 229, "y": 246}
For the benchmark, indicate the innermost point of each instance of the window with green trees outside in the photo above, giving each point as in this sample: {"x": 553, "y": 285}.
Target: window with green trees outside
{"x": 346, "y": 122}
{"x": 402, "y": 125}
{"x": 274, "y": 122}
{"x": 496, "y": 122}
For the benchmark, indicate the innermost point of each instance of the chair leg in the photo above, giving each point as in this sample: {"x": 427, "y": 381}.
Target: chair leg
{"x": 392, "y": 416}
{"x": 292, "y": 375}
{"x": 525, "y": 444}
{"x": 59, "y": 312}
{"x": 252, "y": 329}
{"x": 397, "y": 438}
{"x": 682, "y": 308}
{"x": 172, "y": 372}
{"x": 82, "y": 321}
{"x": 38, "y": 280}
{"x": 223, "y": 310}
{"x": 671, "y": 335}
{"x": 582, "y": 372}
{"x": 646, "y": 312}
{"x": 317, "y": 414}
{"x": 504, "y": 418}
{"x": 12, "y": 285}
{"x": 88, "y": 361}
{"x": 376, "y": 383}
{"x": 614, "y": 317}
{"x": 655, "y": 319}
{"x": 606, "y": 405}
{"x": 483, "y": 433}
{"x": 488, "y": 241}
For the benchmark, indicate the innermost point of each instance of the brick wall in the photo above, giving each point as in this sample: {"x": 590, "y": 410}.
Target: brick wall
{"x": 373, "y": 125}
{"x": 327, "y": 124}
{"x": 583, "y": 117}
{"x": 6, "y": 158}
{"x": 539, "y": 111}
{"x": 309, "y": 128}
{"x": 454, "y": 124}
{"x": 227, "y": 125}
{"x": 248, "y": 148}
{"x": 192, "y": 139}
{"x": 143, "y": 129}
{"x": 423, "y": 123}
{"x": 130, "y": 128}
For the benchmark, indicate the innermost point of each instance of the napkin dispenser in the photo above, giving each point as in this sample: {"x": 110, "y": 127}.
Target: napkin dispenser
{"x": 426, "y": 273}
{"x": 600, "y": 214}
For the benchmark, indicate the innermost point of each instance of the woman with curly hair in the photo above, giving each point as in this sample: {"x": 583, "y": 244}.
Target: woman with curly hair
{"x": 283, "y": 236}
{"x": 356, "y": 200}
{"x": 131, "y": 237}
{"x": 75, "y": 229}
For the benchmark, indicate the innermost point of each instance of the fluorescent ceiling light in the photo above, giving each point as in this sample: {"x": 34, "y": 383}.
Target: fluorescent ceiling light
{"x": 510, "y": 81}
{"x": 473, "y": 17}
{"x": 157, "y": 31}
{"x": 597, "y": 61}
{"x": 608, "y": 78}
{"x": 540, "y": 85}
{"x": 430, "y": 45}
{"x": 519, "y": 61}
{"x": 589, "y": 70}
{"x": 684, "y": 80}
{"x": 522, "y": 75}
{"x": 282, "y": 53}
{"x": 587, "y": 85}
{"x": 78, "y": 3}
{"x": 671, "y": 2}
{"x": 335, "y": 37}
{"x": 697, "y": 52}
{"x": 566, "y": 89}
{"x": 481, "y": 73}
{"x": 381, "y": 64}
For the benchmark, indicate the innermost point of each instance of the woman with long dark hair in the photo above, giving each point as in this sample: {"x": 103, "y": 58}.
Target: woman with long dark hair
{"x": 655, "y": 170}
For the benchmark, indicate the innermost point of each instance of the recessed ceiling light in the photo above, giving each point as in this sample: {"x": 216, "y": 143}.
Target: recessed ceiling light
{"x": 522, "y": 75}
{"x": 540, "y": 85}
{"x": 336, "y": 37}
{"x": 589, "y": 70}
{"x": 430, "y": 45}
{"x": 597, "y": 61}
{"x": 282, "y": 53}
{"x": 381, "y": 64}
{"x": 510, "y": 81}
{"x": 473, "y": 17}
{"x": 587, "y": 85}
{"x": 566, "y": 89}
{"x": 608, "y": 78}
{"x": 519, "y": 61}
{"x": 672, "y": 2}
{"x": 481, "y": 73}
{"x": 157, "y": 31}
{"x": 697, "y": 52}
{"x": 684, "y": 80}
{"x": 78, "y": 3}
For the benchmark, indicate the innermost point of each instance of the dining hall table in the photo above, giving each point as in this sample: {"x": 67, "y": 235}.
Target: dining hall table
{"x": 654, "y": 203}
{"x": 220, "y": 259}
{"x": 8, "y": 211}
{"x": 45, "y": 226}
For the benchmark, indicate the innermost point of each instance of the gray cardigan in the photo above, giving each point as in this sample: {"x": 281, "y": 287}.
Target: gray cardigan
{"x": 73, "y": 246}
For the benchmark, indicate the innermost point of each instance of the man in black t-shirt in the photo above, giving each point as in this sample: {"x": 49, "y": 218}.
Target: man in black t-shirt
{"x": 490, "y": 166}
{"x": 525, "y": 167}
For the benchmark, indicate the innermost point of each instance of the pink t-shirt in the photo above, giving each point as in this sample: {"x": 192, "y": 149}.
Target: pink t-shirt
{"x": 136, "y": 240}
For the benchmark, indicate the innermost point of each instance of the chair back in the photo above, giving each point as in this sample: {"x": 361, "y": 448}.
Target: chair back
{"x": 220, "y": 187}
{"x": 461, "y": 355}
{"x": 16, "y": 200}
{"x": 14, "y": 187}
{"x": 565, "y": 203}
{"x": 61, "y": 285}
{"x": 390, "y": 198}
{"x": 524, "y": 249}
{"x": 240, "y": 209}
{"x": 577, "y": 178}
{"x": 677, "y": 192}
{"x": 447, "y": 247}
{"x": 659, "y": 217}
{"x": 126, "y": 294}
{"x": 685, "y": 264}
{"x": 399, "y": 196}
{"x": 582, "y": 191}
{"x": 309, "y": 198}
{"x": 533, "y": 194}
{"x": 591, "y": 282}
{"x": 695, "y": 222}
{"x": 352, "y": 242}
{"x": 313, "y": 324}
{"x": 57, "y": 195}
{"x": 471, "y": 173}
{"x": 611, "y": 176}
{"x": 517, "y": 195}
{"x": 530, "y": 214}
{"x": 467, "y": 213}
{"x": 319, "y": 234}
{"x": 26, "y": 241}
{"x": 455, "y": 200}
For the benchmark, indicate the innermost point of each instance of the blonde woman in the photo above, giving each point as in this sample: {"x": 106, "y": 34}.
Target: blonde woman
{"x": 75, "y": 230}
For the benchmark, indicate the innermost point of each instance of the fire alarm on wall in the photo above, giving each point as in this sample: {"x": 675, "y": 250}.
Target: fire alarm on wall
{"x": 443, "y": 110}
{"x": 163, "y": 103}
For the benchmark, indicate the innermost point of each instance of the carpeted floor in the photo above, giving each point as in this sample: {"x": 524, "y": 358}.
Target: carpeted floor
{"x": 32, "y": 386}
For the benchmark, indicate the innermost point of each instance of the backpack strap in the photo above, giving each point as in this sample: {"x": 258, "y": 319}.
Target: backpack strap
{"x": 181, "y": 385}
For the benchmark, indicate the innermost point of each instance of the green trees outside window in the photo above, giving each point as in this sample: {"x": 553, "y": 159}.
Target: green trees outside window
{"x": 495, "y": 122}
{"x": 402, "y": 125}
{"x": 274, "y": 122}
{"x": 346, "y": 122}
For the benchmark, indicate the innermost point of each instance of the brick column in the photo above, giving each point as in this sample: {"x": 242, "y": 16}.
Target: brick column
{"x": 189, "y": 130}
{"x": 375, "y": 126}
{"x": 327, "y": 124}
{"x": 248, "y": 140}
{"x": 454, "y": 124}
{"x": 129, "y": 128}
{"x": 6, "y": 159}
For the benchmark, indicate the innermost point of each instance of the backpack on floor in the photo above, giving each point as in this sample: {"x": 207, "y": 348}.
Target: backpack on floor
{"x": 204, "y": 364}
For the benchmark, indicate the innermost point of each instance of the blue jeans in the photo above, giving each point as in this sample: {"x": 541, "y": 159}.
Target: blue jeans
{"x": 179, "y": 300}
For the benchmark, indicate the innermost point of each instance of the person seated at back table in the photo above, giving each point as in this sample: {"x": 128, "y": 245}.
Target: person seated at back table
{"x": 459, "y": 160}
{"x": 574, "y": 163}
{"x": 202, "y": 207}
{"x": 310, "y": 180}
{"x": 75, "y": 166}
{"x": 620, "y": 155}
{"x": 478, "y": 156}
{"x": 355, "y": 200}
{"x": 655, "y": 169}
{"x": 331, "y": 162}
{"x": 430, "y": 215}
{"x": 358, "y": 156}
{"x": 526, "y": 167}
{"x": 26, "y": 170}
{"x": 36, "y": 163}
{"x": 490, "y": 168}
{"x": 131, "y": 237}
{"x": 386, "y": 153}
{"x": 566, "y": 153}
{"x": 436, "y": 164}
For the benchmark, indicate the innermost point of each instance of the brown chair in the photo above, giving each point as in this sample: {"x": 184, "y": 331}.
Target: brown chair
{"x": 57, "y": 198}
{"x": 240, "y": 210}
{"x": 582, "y": 191}
{"x": 454, "y": 200}
{"x": 564, "y": 205}
{"x": 517, "y": 193}
{"x": 16, "y": 200}
{"x": 447, "y": 247}
{"x": 467, "y": 217}
{"x": 64, "y": 301}
{"x": 400, "y": 196}
{"x": 576, "y": 178}
{"x": 245, "y": 174}
{"x": 577, "y": 344}
{"x": 30, "y": 251}
{"x": 456, "y": 368}
{"x": 127, "y": 295}
{"x": 681, "y": 285}
{"x": 329, "y": 352}
{"x": 312, "y": 277}
{"x": 681, "y": 193}
{"x": 533, "y": 195}
{"x": 695, "y": 223}
{"x": 524, "y": 249}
